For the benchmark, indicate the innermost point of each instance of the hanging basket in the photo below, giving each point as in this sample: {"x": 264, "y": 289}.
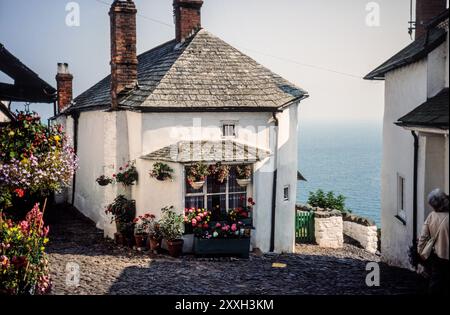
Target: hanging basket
{"x": 197, "y": 185}
{"x": 243, "y": 182}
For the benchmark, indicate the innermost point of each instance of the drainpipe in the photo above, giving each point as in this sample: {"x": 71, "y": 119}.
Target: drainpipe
{"x": 274, "y": 191}
{"x": 75, "y": 117}
{"x": 416, "y": 163}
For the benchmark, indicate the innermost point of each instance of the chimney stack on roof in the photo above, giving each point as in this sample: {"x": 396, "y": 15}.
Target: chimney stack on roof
{"x": 64, "y": 86}
{"x": 425, "y": 11}
{"x": 187, "y": 14}
{"x": 124, "y": 61}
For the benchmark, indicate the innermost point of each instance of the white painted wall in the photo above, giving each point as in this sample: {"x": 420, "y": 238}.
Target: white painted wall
{"x": 436, "y": 70}
{"x": 287, "y": 166}
{"x": 405, "y": 89}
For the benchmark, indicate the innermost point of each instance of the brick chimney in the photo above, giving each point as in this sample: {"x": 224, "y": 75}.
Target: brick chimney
{"x": 123, "y": 48}
{"x": 187, "y": 15}
{"x": 425, "y": 11}
{"x": 64, "y": 86}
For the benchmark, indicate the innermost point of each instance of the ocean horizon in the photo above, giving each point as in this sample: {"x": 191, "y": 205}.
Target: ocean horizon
{"x": 343, "y": 157}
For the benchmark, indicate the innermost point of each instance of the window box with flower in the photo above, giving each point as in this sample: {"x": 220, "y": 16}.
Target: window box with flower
{"x": 224, "y": 239}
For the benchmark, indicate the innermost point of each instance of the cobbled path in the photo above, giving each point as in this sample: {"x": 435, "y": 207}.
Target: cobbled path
{"x": 108, "y": 269}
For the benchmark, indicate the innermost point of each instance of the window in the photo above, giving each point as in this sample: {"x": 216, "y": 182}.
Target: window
{"x": 229, "y": 129}
{"x": 217, "y": 197}
{"x": 286, "y": 193}
{"x": 401, "y": 213}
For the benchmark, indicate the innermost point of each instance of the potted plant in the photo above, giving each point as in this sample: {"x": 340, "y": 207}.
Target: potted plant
{"x": 104, "y": 180}
{"x": 196, "y": 175}
{"x": 162, "y": 172}
{"x": 171, "y": 225}
{"x": 219, "y": 171}
{"x": 154, "y": 234}
{"x": 123, "y": 212}
{"x": 243, "y": 174}
{"x": 127, "y": 175}
{"x": 141, "y": 229}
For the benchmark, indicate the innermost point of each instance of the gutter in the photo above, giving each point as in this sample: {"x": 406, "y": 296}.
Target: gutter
{"x": 75, "y": 147}
{"x": 274, "y": 189}
{"x": 416, "y": 164}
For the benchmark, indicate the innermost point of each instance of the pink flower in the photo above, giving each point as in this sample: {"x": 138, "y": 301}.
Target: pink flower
{"x": 218, "y": 225}
{"x": 24, "y": 226}
{"x": 234, "y": 228}
{"x": 46, "y": 230}
{"x": 194, "y": 222}
{"x": 191, "y": 210}
{"x": 198, "y": 218}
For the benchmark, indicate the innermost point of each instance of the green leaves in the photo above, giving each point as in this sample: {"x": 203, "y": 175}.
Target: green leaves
{"x": 327, "y": 200}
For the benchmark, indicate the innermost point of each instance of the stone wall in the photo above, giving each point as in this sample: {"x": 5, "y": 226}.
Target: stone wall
{"x": 328, "y": 226}
{"x": 362, "y": 230}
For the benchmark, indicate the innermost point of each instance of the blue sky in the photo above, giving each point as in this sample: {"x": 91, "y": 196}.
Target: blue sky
{"x": 294, "y": 38}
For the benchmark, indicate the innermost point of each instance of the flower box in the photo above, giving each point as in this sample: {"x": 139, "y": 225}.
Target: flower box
{"x": 223, "y": 246}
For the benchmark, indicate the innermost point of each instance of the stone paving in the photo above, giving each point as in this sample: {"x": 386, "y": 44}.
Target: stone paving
{"x": 108, "y": 269}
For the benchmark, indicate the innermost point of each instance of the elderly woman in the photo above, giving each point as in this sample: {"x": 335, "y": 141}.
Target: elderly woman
{"x": 436, "y": 227}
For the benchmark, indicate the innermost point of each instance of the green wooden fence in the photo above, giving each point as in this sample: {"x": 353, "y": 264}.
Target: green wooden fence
{"x": 304, "y": 227}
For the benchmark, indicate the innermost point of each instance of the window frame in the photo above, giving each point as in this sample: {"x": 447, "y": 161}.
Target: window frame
{"x": 288, "y": 189}
{"x": 205, "y": 193}
{"x": 225, "y": 123}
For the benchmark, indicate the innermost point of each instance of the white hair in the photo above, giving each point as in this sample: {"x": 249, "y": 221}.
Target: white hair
{"x": 438, "y": 200}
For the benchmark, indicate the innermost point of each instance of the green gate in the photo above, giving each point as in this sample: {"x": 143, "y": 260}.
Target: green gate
{"x": 304, "y": 227}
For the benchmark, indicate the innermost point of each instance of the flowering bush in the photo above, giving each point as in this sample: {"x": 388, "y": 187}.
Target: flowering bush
{"x": 219, "y": 171}
{"x": 127, "y": 175}
{"x": 146, "y": 225}
{"x": 197, "y": 172}
{"x": 196, "y": 219}
{"x": 34, "y": 159}
{"x": 243, "y": 171}
{"x": 23, "y": 263}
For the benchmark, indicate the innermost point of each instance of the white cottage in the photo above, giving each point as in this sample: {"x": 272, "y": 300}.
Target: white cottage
{"x": 415, "y": 130}
{"x": 194, "y": 98}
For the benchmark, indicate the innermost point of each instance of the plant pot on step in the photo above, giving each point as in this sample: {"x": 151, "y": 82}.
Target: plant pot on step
{"x": 175, "y": 247}
{"x": 243, "y": 182}
{"x": 140, "y": 240}
{"x": 154, "y": 244}
{"x": 197, "y": 185}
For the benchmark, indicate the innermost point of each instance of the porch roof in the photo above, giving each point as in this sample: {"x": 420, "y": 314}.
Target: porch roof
{"x": 208, "y": 151}
{"x": 433, "y": 113}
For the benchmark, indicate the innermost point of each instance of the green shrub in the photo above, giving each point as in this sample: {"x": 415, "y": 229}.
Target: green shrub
{"x": 327, "y": 200}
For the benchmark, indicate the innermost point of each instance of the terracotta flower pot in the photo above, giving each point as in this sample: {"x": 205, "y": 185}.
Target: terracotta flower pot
{"x": 197, "y": 185}
{"x": 175, "y": 247}
{"x": 140, "y": 240}
{"x": 243, "y": 182}
{"x": 155, "y": 244}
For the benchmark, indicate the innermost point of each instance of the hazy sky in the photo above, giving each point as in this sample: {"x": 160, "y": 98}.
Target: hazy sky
{"x": 283, "y": 35}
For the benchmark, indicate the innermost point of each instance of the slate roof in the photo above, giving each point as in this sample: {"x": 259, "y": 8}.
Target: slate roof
{"x": 208, "y": 151}
{"x": 414, "y": 52}
{"x": 28, "y": 86}
{"x": 202, "y": 73}
{"x": 432, "y": 113}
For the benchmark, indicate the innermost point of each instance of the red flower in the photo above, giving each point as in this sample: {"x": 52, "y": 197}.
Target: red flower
{"x": 135, "y": 220}
{"x": 120, "y": 168}
{"x": 19, "y": 192}
{"x": 250, "y": 200}
{"x": 114, "y": 175}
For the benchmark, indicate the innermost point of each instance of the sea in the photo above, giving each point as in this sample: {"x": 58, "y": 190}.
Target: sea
{"x": 345, "y": 158}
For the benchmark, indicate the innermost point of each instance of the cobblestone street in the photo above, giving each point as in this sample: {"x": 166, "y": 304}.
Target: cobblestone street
{"x": 108, "y": 269}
